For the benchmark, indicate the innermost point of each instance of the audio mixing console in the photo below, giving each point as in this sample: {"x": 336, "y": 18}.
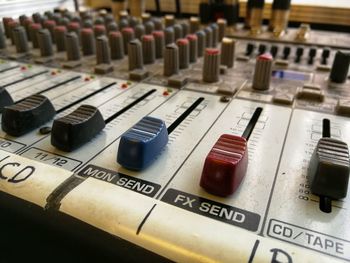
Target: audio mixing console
{"x": 174, "y": 137}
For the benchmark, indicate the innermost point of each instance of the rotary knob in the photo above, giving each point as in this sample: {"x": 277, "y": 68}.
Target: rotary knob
{"x": 135, "y": 55}
{"x": 20, "y": 38}
{"x": 59, "y": 33}
{"x": 72, "y": 46}
{"x": 103, "y": 55}
{"x": 169, "y": 20}
{"x": 228, "y": 52}
{"x": 116, "y": 45}
{"x": 169, "y": 35}
{"x": 128, "y": 35}
{"x": 262, "y": 73}
{"x": 88, "y": 42}
{"x": 201, "y": 38}
{"x": 222, "y": 24}
{"x": 178, "y": 31}
{"x": 140, "y": 31}
{"x": 211, "y": 65}
{"x": 171, "y": 60}
{"x": 159, "y": 43}
{"x": 193, "y": 41}
{"x": 184, "y": 52}
{"x": 45, "y": 43}
{"x": 208, "y": 36}
{"x": 149, "y": 49}
{"x": 194, "y": 24}
{"x": 33, "y": 30}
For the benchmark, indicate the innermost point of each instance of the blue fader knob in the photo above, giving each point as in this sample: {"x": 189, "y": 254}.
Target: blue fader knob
{"x": 141, "y": 144}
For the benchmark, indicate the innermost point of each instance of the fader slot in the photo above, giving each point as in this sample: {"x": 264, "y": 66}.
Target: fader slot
{"x": 157, "y": 175}
{"x": 113, "y": 130}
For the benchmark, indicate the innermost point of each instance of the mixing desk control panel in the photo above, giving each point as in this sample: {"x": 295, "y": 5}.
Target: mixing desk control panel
{"x": 178, "y": 138}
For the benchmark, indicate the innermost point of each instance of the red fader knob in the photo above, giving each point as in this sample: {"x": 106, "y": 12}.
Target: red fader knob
{"x": 225, "y": 165}
{"x": 227, "y": 162}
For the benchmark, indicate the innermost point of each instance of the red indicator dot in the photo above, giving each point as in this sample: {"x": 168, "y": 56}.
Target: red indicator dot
{"x": 23, "y": 68}
{"x": 124, "y": 85}
{"x": 87, "y": 79}
{"x": 165, "y": 93}
{"x": 53, "y": 73}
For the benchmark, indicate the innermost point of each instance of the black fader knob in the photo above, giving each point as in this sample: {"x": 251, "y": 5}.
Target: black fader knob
{"x": 23, "y": 117}
{"x": 5, "y": 99}
{"x": 329, "y": 169}
{"x": 77, "y": 128}
{"x": 340, "y": 67}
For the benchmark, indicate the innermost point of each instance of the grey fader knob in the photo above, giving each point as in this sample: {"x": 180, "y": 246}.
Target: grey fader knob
{"x": 20, "y": 38}
{"x": 159, "y": 40}
{"x": 262, "y": 73}
{"x": 149, "y": 27}
{"x": 88, "y": 43}
{"x": 59, "y": 33}
{"x": 116, "y": 44}
{"x": 340, "y": 67}
{"x": 148, "y": 49}
{"x": 171, "y": 60}
{"x": 184, "y": 52}
{"x": 228, "y": 52}
{"x": 135, "y": 55}
{"x": 169, "y": 35}
{"x": 72, "y": 46}
{"x": 103, "y": 55}
{"x": 169, "y": 20}
{"x": 193, "y": 41}
{"x": 208, "y": 36}
{"x": 194, "y": 24}
{"x": 128, "y": 35}
{"x": 140, "y": 31}
{"x": 211, "y": 65}
{"x": 215, "y": 29}
{"x": 33, "y": 30}
{"x": 222, "y": 24}
{"x": 201, "y": 38}
{"x": 45, "y": 43}
{"x": 178, "y": 31}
